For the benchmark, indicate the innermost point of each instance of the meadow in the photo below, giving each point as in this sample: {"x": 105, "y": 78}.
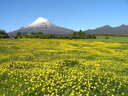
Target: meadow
{"x": 49, "y": 67}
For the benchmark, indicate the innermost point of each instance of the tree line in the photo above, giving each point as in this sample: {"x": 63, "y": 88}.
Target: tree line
{"x": 76, "y": 35}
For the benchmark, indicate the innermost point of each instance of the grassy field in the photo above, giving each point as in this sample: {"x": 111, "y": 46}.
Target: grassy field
{"x": 42, "y": 67}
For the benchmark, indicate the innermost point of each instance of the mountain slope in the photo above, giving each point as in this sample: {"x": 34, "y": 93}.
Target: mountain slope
{"x": 123, "y": 29}
{"x": 44, "y": 26}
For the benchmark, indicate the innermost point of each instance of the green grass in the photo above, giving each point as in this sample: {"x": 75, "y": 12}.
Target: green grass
{"x": 49, "y": 67}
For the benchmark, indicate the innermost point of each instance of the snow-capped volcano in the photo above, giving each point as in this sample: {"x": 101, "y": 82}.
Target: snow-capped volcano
{"x": 45, "y": 26}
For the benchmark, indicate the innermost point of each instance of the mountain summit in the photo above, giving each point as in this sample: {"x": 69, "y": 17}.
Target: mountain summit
{"x": 39, "y": 21}
{"x": 45, "y": 26}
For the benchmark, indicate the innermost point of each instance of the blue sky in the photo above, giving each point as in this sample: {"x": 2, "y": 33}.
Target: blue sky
{"x": 74, "y": 14}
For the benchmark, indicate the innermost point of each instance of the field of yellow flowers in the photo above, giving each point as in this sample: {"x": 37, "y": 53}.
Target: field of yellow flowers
{"x": 37, "y": 67}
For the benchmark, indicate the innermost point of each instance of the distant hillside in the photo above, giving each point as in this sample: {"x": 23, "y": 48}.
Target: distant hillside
{"x": 123, "y": 29}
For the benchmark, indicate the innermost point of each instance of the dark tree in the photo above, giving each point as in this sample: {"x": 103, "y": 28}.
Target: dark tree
{"x": 19, "y": 35}
{"x": 3, "y": 34}
{"x": 79, "y": 35}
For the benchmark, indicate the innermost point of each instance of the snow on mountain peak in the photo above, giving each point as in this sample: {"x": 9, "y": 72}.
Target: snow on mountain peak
{"x": 39, "y": 21}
